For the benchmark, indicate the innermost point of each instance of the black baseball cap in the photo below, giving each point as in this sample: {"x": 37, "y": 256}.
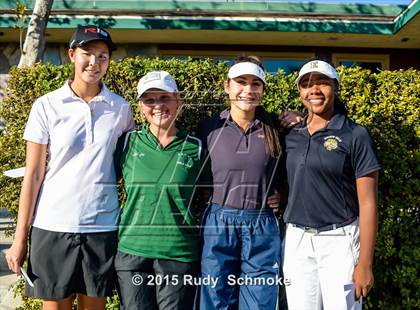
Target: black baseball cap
{"x": 85, "y": 34}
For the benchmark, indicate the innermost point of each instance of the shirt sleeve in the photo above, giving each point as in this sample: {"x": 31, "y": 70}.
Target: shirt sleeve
{"x": 205, "y": 177}
{"x": 204, "y": 182}
{"x": 129, "y": 120}
{"x": 280, "y": 183}
{"x": 363, "y": 155}
{"x": 118, "y": 154}
{"x": 202, "y": 134}
{"x": 37, "y": 125}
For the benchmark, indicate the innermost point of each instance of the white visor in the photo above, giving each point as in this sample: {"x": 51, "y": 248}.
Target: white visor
{"x": 317, "y": 66}
{"x": 156, "y": 79}
{"x": 244, "y": 68}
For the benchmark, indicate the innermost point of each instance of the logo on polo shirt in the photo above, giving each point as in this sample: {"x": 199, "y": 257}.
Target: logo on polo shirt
{"x": 331, "y": 142}
{"x": 184, "y": 160}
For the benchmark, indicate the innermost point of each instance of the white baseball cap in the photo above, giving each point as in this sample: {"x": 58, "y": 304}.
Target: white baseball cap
{"x": 317, "y": 66}
{"x": 243, "y": 68}
{"x": 156, "y": 79}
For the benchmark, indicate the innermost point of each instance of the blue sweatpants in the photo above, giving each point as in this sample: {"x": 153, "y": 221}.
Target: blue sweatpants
{"x": 241, "y": 254}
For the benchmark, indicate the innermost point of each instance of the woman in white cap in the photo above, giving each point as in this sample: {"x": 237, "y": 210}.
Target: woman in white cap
{"x": 331, "y": 213}
{"x": 241, "y": 239}
{"x": 158, "y": 250}
{"x": 69, "y": 201}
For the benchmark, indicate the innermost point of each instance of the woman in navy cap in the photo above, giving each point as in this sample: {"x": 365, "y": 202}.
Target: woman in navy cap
{"x": 68, "y": 202}
{"x": 241, "y": 238}
{"x": 331, "y": 215}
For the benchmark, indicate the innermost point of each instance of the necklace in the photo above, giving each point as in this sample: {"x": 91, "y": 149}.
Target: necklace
{"x": 312, "y": 130}
{"x": 91, "y": 108}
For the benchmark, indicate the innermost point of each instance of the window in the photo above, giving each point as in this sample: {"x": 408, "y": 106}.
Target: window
{"x": 287, "y": 62}
{"x": 287, "y": 65}
{"x": 374, "y": 62}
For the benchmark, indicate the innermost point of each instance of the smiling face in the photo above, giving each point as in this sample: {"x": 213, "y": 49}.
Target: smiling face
{"x": 244, "y": 92}
{"x": 317, "y": 92}
{"x": 90, "y": 62}
{"x": 160, "y": 108}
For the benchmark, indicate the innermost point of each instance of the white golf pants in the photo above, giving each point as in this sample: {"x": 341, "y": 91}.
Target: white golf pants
{"x": 319, "y": 267}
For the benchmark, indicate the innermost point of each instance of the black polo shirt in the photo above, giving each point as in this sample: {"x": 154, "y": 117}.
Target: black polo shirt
{"x": 241, "y": 167}
{"x": 322, "y": 170}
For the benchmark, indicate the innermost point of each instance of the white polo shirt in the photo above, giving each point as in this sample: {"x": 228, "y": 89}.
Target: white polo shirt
{"x": 79, "y": 192}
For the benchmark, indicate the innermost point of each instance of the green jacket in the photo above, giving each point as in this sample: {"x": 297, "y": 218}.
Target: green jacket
{"x": 159, "y": 219}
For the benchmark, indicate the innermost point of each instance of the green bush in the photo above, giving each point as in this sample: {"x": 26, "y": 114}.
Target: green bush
{"x": 387, "y": 103}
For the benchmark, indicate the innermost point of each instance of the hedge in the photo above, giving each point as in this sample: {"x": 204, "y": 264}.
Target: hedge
{"x": 387, "y": 103}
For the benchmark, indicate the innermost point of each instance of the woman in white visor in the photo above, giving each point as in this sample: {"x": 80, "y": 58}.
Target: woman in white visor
{"x": 241, "y": 238}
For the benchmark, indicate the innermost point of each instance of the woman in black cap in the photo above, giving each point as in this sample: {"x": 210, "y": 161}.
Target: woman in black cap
{"x": 68, "y": 202}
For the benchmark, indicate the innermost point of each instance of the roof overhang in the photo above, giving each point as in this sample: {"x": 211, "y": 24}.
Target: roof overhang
{"x": 236, "y": 23}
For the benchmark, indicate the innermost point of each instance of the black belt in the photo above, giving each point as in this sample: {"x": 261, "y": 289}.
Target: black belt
{"x": 325, "y": 228}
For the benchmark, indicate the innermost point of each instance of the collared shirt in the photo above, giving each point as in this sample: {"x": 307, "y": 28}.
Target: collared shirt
{"x": 242, "y": 170}
{"x": 79, "y": 192}
{"x": 322, "y": 170}
{"x": 159, "y": 219}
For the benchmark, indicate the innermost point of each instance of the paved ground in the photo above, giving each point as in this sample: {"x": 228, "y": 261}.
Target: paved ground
{"x": 7, "y": 279}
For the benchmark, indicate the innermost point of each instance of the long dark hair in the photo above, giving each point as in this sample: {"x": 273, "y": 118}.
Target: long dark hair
{"x": 339, "y": 106}
{"x": 269, "y": 121}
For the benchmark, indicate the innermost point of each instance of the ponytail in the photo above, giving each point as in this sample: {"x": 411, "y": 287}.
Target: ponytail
{"x": 271, "y": 130}
{"x": 339, "y": 106}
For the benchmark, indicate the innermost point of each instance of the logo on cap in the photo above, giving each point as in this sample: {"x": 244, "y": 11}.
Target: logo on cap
{"x": 91, "y": 29}
{"x": 151, "y": 76}
{"x": 314, "y": 64}
{"x": 96, "y": 30}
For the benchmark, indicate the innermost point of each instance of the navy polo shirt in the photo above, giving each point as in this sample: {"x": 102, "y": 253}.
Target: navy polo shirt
{"x": 241, "y": 167}
{"x": 322, "y": 170}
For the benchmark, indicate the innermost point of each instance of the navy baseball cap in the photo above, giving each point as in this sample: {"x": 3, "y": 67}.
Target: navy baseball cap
{"x": 86, "y": 34}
